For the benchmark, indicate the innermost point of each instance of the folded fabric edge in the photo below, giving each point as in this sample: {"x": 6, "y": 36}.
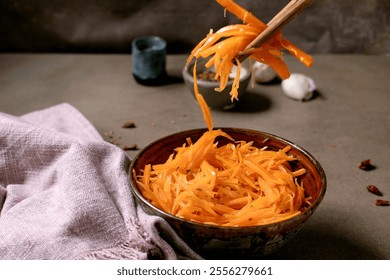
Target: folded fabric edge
{"x": 126, "y": 250}
{"x": 166, "y": 236}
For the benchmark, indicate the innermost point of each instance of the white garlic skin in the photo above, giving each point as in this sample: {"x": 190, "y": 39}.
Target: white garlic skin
{"x": 263, "y": 73}
{"x": 299, "y": 87}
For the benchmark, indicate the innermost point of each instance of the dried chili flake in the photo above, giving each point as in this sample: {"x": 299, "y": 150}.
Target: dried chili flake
{"x": 128, "y": 125}
{"x": 366, "y": 165}
{"x": 381, "y": 202}
{"x": 130, "y": 147}
{"x": 373, "y": 189}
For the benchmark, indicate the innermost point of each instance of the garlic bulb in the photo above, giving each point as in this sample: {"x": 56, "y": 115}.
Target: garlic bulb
{"x": 299, "y": 87}
{"x": 263, "y": 73}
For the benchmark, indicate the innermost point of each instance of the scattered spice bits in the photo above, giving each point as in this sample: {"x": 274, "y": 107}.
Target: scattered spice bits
{"x": 209, "y": 75}
{"x": 206, "y": 75}
{"x": 115, "y": 140}
{"x": 373, "y": 189}
{"x": 110, "y": 135}
{"x": 131, "y": 147}
{"x": 366, "y": 165}
{"x": 128, "y": 125}
{"x": 381, "y": 202}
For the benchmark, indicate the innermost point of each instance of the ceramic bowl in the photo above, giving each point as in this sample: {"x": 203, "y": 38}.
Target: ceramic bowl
{"x": 218, "y": 242}
{"x": 215, "y": 100}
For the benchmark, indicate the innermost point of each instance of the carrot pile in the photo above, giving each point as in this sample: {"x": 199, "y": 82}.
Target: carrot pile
{"x": 236, "y": 184}
{"x": 223, "y": 47}
{"x": 233, "y": 185}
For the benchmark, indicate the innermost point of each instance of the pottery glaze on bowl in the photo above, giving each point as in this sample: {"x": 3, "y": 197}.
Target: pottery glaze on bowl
{"x": 215, "y": 100}
{"x": 219, "y": 242}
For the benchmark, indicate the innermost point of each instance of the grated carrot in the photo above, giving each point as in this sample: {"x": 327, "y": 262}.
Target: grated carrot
{"x": 202, "y": 103}
{"x": 236, "y": 184}
{"x": 222, "y": 47}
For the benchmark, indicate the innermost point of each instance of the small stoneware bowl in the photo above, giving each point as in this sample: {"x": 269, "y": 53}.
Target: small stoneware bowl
{"x": 215, "y": 100}
{"x": 219, "y": 242}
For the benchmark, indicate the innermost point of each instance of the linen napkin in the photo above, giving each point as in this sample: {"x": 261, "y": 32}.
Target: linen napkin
{"x": 64, "y": 194}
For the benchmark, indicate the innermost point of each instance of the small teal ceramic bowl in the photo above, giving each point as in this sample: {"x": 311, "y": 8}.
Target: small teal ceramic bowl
{"x": 215, "y": 100}
{"x": 218, "y": 242}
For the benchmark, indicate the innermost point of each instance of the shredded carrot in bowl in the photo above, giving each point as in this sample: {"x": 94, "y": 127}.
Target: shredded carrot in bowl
{"x": 235, "y": 185}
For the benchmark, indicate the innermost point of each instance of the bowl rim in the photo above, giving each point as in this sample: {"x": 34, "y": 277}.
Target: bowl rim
{"x": 308, "y": 210}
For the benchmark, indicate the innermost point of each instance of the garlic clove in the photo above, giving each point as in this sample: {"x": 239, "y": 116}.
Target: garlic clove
{"x": 263, "y": 73}
{"x": 299, "y": 87}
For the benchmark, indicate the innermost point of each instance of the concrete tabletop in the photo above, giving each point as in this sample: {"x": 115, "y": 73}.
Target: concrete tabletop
{"x": 347, "y": 122}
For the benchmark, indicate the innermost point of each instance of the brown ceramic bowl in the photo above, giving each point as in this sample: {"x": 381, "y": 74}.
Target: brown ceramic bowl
{"x": 214, "y": 99}
{"x": 217, "y": 242}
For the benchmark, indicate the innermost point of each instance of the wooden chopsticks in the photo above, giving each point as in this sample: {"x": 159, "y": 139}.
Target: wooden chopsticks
{"x": 293, "y": 8}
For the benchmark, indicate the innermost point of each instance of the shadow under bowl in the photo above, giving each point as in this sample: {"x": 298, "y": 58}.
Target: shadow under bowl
{"x": 218, "y": 242}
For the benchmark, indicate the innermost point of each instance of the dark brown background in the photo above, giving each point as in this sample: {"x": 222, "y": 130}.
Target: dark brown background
{"x": 328, "y": 26}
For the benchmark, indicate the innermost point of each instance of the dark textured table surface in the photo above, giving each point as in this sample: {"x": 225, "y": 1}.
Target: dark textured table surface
{"x": 348, "y": 121}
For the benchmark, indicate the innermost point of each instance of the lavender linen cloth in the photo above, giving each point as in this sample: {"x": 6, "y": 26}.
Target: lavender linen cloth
{"x": 64, "y": 194}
